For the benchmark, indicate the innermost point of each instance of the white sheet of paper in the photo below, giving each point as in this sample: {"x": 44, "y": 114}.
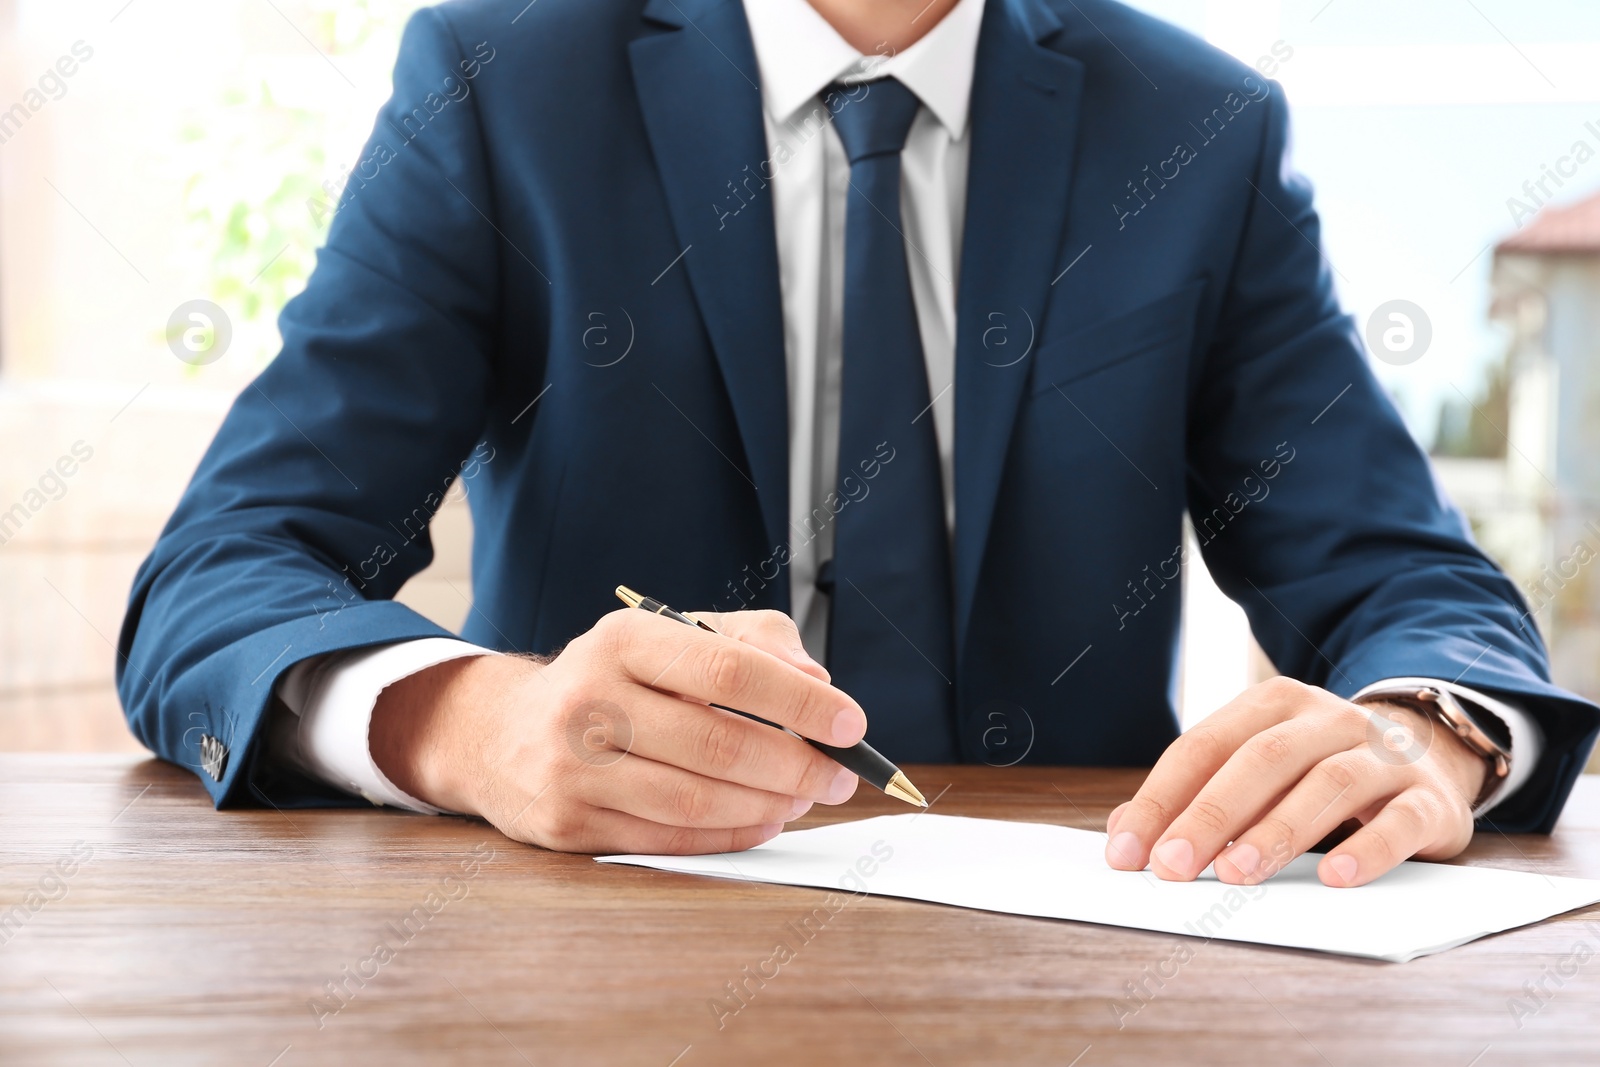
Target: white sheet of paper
{"x": 1060, "y": 873}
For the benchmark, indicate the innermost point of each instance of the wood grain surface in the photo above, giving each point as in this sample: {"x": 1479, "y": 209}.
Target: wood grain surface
{"x": 139, "y": 926}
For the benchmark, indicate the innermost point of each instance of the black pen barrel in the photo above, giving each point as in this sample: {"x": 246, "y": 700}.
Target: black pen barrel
{"x": 862, "y": 760}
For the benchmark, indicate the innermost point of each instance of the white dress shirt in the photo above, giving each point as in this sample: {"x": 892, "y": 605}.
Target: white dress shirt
{"x": 799, "y": 54}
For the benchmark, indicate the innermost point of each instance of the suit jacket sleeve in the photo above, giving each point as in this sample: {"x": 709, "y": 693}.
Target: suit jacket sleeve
{"x": 1332, "y": 533}
{"x": 309, "y": 510}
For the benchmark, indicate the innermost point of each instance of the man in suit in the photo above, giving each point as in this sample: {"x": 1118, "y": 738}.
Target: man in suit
{"x": 918, "y": 323}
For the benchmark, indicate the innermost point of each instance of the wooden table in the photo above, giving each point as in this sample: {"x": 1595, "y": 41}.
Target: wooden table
{"x": 181, "y": 935}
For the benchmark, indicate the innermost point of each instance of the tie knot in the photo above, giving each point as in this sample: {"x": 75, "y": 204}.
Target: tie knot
{"x": 873, "y": 118}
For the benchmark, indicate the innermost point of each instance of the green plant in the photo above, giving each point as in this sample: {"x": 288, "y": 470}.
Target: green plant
{"x": 258, "y": 182}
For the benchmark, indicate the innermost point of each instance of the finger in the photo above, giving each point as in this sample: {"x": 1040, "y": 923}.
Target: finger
{"x": 1115, "y": 844}
{"x": 606, "y": 831}
{"x": 673, "y": 796}
{"x": 1333, "y": 791}
{"x": 1190, "y": 761}
{"x": 1417, "y": 822}
{"x": 770, "y": 631}
{"x": 715, "y": 669}
{"x": 1264, "y": 767}
{"x": 719, "y": 744}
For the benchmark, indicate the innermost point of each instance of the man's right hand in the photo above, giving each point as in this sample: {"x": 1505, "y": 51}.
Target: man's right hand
{"x": 612, "y": 745}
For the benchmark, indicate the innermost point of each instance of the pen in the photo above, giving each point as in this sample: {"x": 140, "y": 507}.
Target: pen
{"x": 861, "y": 759}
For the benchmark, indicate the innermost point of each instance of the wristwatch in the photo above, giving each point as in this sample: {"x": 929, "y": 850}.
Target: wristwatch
{"x": 1442, "y": 706}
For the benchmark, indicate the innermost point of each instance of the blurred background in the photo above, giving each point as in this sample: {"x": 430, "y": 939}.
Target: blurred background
{"x": 168, "y": 169}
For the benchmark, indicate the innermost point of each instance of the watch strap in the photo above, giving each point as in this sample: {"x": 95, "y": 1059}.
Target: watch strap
{"x": 1442, "y": 707}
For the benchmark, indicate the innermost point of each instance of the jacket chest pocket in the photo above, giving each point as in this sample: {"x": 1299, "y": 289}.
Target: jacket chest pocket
{"x": 1123, "y": 338}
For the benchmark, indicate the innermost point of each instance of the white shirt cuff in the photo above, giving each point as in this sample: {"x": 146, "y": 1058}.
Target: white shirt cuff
{"x": 1527, "y": 740}
{"x": 331, "y": 700}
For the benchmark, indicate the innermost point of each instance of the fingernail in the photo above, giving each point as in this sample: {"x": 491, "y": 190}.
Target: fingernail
{"x": 1344, "y": 866}
{"x": 771, "y": 830}
{"x": 849, "y": 727}
{"x": 1245, "y": 858}
{"x": 800, "y": 808}
{"x": 1124, "y": 850}
{"x": 1176, "y": 855}
{"x": 842, "y": 788}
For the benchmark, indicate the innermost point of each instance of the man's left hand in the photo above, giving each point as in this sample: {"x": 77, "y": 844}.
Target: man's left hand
{"x": 1282, "y": 766}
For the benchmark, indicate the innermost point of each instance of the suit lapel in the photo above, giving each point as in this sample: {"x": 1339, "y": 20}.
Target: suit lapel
{"x": 699, "y": 90}
{"x": 1025, "y": 101}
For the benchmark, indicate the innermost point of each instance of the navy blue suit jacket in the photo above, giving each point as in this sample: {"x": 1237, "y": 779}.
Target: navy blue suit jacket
{"x": 1145, "y": 325}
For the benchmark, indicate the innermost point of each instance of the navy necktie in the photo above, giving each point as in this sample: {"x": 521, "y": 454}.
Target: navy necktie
{"x": 891, "y": 639}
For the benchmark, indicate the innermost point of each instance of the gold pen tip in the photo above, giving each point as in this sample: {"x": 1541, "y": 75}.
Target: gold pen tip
{"x": 629, "y": 597}
{"x": 901, "y": 788}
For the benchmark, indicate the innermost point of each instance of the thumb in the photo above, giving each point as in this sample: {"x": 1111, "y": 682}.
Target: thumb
{"x": 772, "y": 632}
